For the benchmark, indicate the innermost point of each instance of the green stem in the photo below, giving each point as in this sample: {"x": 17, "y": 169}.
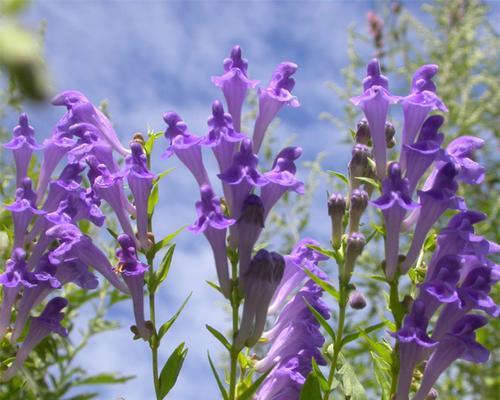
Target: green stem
{"x": 398, "y": 312}
{"x": 153, "y": 344}
{"x": 235, "y": 305}
{"x": 338, "y": 342}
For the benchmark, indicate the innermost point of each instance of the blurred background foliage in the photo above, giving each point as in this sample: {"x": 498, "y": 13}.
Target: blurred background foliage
{"x": 456, "y": 34}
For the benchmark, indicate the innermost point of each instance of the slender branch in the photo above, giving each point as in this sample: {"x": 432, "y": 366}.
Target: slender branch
{"x": 398, "y": 312}
{"x": 235, "y": 305}
{"x": 153, "y": 344}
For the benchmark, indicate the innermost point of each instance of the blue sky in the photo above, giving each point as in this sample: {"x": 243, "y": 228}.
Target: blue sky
{"x": 148, "y": 57}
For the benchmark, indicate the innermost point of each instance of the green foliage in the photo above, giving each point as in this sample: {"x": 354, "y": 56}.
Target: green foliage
{"x": 171, "y": 370}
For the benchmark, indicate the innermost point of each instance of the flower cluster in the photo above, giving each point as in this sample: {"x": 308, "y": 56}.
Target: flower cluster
{"x": 50, "y": 249}
{"x": 295, "y": 337}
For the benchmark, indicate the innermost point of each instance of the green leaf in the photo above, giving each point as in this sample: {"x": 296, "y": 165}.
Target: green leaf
{"x": 383, "y": 349}
{"x": 153, "y": 198}
{"x": 317, "y": 372}
{"x": 217, "y": 378}
{"x": 215, "y": 286}
{"x": 167, "y": 325}
{"x": 382, "y": 374}
{"x": 148, "y": 146}
{"x": 311, "y": 389}
{"x": 171, "y": 370}
{"x": 341, "y": 176}
{"x": 112, "y": 233}
{"x": 162, "y": 272}
{"x": 327, "y": 287}
{"x": 166, "y": 240}
{"x": 350, "y": 383}
{"x": 323, "y": 322}
{"x": 104, "y": 379}
{"x": 162, "y": 175}
{"x": 354, "y": 336}
{"x": 325, "y": 252}
{"x": 370, "y": 181}
{"x": 249, "y": 391}
{"x": 219, "y": 336}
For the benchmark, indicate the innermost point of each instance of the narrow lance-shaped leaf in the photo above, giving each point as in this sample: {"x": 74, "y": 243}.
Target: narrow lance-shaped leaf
{"x": 171, "y": 369}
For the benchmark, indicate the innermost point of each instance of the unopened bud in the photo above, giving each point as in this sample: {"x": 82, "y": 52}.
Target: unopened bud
{"x": 432, "y": 395}
{"x": 357, "y": 206}
{"x": 363, "y": 133}
{"x": 390, "y": 132}
{"x": 336, "y": 210}
{"x": 355, "y": 244}
{"x": 357, "y": 301}
{"x": 138, "y": 138}
{"x": 358, "y": 165}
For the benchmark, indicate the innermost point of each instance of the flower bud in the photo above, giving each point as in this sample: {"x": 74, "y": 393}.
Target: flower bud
{"x": 355, "y": 244}
{"x": 358, "y": 165}
{"x": 357, "y": 206}
{"x": 432, "y": 395}
{"x": 363, "y": 133}
{"x": 390, "y": 131}
{"x": 357, "y": 301}
{"x": 336, "y": 211}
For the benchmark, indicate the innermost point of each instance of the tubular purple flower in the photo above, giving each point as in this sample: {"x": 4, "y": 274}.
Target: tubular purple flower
{"x": 23, "y": 210}
{"x": 272, "y": 99}
{"x": 394, "y": 203}
{"x": 74, "y": 244}
{"x": 80, "y": 109}
{"x": 284, "y": 383}
{"x": 40, "y": 327}
{"x": 132, "y": 271}
{"x": 22, "y": 145}
{"x": 281, "y": 178}
{"x": 424, "y": 151}
{"x": 375, "y": 102}
{"x": 234, "y": 83}
{"x": 263, "y": 276}
{"x": 413, "y": 341}
{"x": 460, "y": 151}
{"x": 140, "y": 181}
{"x": 434, "y": 202}
{"x": 186, "y": 146}
{"x": 249, "y": 226}
{"x": 242, "y": 175}
{"x": 459, "y": 343}
{"x": 109, "y": 187}
{"x": 417, "y": 105}
{"x": 214, "y": 226}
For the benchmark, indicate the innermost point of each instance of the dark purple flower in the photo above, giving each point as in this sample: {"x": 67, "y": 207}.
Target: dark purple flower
{"x": 417, "y": 105}
{"x": 74, "y": 244}
{"x": 40, "y": 327}
{"x": 81, "y": 110}
{"x": 460, "y": 151}
{"x": 186, "y": 146}
{"x": 23, "y": 210}
{"x": 434, "y": 202}
{"x": 214, "y": 225}
{"x": 273, "y": 98}
{"x": 394, "y": 203}
{"x": 459, "y": 343}
{"x": 234, "y": 84}
{"x": 242, "y": 175}
{"x": 140, "y": 181}
{"x": 262, "y": 278}
{"x": 424, "y": 151}
{"x": 281, "y": 178}
{"x": 413, "y": 341}
{"x": 284, "y": 383}
{"x": 22, "y": 145}
{"x": 132, "y": 271}
{"x": 375, "y": 102}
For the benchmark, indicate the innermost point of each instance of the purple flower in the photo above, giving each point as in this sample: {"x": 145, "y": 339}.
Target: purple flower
{"x": 140, "y": 181}
{"x": 186, "y": 146}
{"x": 394, "y": 203}
{"x": 23, "y": 210}
{"x": 109, "y": 187}
{"x": 22, "y": 145}
{"x": 40, "y": 327}
{"x": 262, "y": 278}
{"x": 132, "y": 271}
{"x": 214, "y": 225}
{"x": 281, "y": 178}
{"x": 301, "y": 258}
{"x": 375, "y": 102}
{"x": 80, "y": 109}
{"x": 424, "y": 151}
{"x": 242, "y": 175}
{"x": 413, "y": 342}
{"x": 74, "y": 244}
{"x": 460, "y": 151}
{"x": 434, "y": 202}
{"x": 284, "y": 383}
{"x": 417, "y": 105}
{"x": 273, "y": 98}
{"x": 234, "y": 84}
{"x": 459, "y": 343}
